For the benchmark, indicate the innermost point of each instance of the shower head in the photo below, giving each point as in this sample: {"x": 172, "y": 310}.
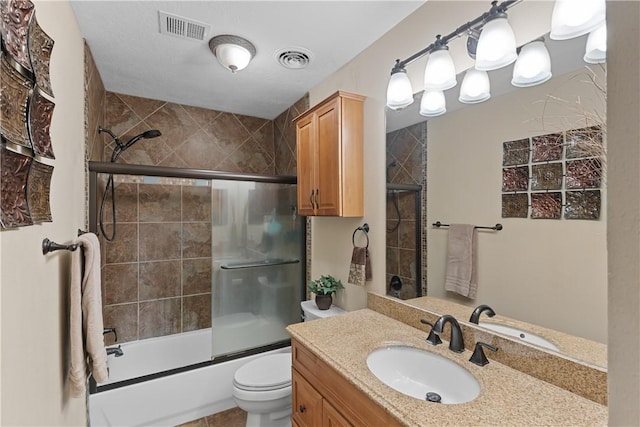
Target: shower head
{"x": 153, "y": 133}
{"x": 120, "y": 147}
{"x": 393, "y": 164}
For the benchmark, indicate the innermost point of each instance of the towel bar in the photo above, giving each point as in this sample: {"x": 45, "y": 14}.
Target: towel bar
{"x": 50, "y": 246}
{"x": 496, "y": 227}
{"x": 365, "y": 229}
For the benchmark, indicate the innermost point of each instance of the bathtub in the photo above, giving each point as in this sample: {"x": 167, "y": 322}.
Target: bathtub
{"x": 168, "y": 400}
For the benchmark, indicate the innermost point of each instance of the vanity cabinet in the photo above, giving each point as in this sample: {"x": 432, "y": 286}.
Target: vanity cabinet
{"x": 322, "y": 397}
{"x": 329, "y": 141}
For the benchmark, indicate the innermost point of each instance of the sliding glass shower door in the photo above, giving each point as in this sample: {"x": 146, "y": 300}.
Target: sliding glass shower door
{"x": 257, "y": 247}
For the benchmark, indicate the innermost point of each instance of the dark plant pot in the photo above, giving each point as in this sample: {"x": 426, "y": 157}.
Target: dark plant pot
{"x": 324, "y": 301}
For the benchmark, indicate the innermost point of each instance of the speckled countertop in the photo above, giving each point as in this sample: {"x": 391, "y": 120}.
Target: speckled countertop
{"x": 507, "y": 396}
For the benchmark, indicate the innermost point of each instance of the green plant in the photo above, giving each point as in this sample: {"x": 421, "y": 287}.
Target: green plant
{"x": 325, "y": 285}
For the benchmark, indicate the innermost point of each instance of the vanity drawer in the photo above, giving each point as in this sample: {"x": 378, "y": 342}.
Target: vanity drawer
{"x": 307, "y": 402}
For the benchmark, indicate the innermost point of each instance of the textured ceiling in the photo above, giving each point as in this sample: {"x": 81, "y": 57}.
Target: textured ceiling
{"x": 135, "y": 59}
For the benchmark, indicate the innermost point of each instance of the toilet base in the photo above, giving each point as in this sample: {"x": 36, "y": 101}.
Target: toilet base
{"x": 273, "y": 419}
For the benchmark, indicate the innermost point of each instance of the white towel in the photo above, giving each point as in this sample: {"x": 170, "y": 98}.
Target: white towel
{"x": 461, "y": 260}
{"x": 88, "y": 354}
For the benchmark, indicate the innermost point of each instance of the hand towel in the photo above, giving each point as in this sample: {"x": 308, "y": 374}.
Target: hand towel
{"x": 88, "y": 354}
{"x": 461, "y": 260}
{"x": 360, "y": 268}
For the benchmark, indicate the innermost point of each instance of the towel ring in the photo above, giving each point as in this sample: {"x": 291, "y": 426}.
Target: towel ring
{"x": 365, "y": 230}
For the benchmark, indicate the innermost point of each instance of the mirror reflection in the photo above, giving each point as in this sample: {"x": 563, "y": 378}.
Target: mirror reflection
{"x": 548, "y": 273}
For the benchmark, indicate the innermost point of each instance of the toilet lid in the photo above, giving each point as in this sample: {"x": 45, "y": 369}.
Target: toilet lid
{"x": 265, "y": 373}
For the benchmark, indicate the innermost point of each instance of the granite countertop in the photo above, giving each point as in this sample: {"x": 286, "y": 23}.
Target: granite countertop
{"x": 507, "y": 396}
{"x": 579, "y": 348}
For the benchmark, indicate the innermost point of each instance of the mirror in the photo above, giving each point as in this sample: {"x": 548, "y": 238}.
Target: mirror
{"x": 551, "y": 273}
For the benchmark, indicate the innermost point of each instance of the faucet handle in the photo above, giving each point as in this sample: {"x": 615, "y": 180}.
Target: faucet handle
{"x": 111, "y": 331}
{"x": 478, "y": 356}
{"x": 433, "y": 338}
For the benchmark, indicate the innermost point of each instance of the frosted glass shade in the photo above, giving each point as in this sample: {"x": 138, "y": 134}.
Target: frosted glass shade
{"x": 475, "y": 87}
{"x": 232, "y": 56}
{"x": 433, "y": 103}
{"x": 533, "y": 65}
{"x": 496, "y": 45}
{"x": 399, "y": 91}
{"x": 596, "y": 50}
{"x": 573, "y": 18}
{"x": 439, "y": 74}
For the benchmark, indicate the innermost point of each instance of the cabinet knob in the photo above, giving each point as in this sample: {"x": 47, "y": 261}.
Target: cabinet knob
{"x": 302, "y": 408}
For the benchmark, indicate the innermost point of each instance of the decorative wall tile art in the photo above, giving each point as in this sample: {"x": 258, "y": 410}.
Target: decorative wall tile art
{"x": 515, "y": 152}
{"x": 38, "y": 190}
{"x": 16, "y": 15}
{"x": 585, "y": 142}
{"x": 515, "y": 205}
{"x": 546, "y": 177}
{"x": 585, "y": 173}
{"x": 14, "y": 171}
{"x": 582, "y": 204}
{"x": 14, "y": 97}
{"x": 546, "y": 148}
{"x": 515, "y": 179}
{"x": 40, "y": 47}
{"x": 25, "y": 116}
{"x": 546, "y": 205}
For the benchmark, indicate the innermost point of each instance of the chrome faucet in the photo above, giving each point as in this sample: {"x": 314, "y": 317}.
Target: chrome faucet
{"x": 475, "y": 316}
{"x": 457, "y": 342}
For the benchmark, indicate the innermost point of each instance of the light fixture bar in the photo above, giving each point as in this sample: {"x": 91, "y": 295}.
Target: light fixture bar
{"x": 476, "y": 24}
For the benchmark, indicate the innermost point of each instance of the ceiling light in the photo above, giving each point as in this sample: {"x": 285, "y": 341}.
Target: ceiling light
{"x": 574, "y": 18}
{"x": 439, "y": 74}
{"x": 399, "y": 91}
{"x": 596, "y": 51}
{"x": 475, "y": 87}
{"x": 433, "y": 104}
{"x": 533, "y": 65}
{"x": 233, "y": 52}
{"x": 497, "y": 44}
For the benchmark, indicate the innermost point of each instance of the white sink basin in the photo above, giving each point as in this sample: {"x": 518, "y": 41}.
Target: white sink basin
{"x": 521, "y": 335}
{"x": 416, "y": 372}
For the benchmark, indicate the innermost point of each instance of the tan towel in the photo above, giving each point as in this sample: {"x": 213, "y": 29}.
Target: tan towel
{"x": 360, "y": 268}
{"x": 461, "y": 260}
{"x": 88, "y": 354}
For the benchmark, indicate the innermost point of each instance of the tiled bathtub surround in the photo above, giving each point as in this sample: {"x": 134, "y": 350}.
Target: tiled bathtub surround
{"x": 157, "y": 272}
{"x": 582, "y": 378}
{"x": 407, "y": 148}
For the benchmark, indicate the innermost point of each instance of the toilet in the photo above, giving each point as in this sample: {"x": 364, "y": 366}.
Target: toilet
{"x": 262, "y": 387}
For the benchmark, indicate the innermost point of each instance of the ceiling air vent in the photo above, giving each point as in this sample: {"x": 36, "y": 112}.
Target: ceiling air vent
{"x": 179, "y": 26}
{"x": 294, "y": 58}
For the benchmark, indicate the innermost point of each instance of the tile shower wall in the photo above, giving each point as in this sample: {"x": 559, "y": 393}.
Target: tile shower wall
{"x": 407, "y": 148}
{"x": 157, "y": 274}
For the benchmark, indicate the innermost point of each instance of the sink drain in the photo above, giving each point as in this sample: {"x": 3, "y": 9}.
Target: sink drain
{"x": 433, "y": 397}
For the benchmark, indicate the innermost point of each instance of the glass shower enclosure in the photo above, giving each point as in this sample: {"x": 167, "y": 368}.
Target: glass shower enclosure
{"x": 215, "y": 254}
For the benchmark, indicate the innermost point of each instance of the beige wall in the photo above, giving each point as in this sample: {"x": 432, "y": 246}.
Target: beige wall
{"x": 35, "y": 287}
{"x": 546, "y": 272}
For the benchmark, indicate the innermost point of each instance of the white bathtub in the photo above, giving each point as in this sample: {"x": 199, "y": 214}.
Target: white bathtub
{"x": 172, "y": 399}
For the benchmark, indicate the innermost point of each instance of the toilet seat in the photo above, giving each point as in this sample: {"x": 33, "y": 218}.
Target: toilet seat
{"x": 266, "y": 373}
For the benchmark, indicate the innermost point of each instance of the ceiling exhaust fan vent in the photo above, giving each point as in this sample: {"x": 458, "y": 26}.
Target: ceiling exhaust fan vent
{"x": 295, "y": 58}
{"x": 179, "y": 26}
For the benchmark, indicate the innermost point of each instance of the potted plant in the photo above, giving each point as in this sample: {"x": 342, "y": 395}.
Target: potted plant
{"x": 324, "y": 287}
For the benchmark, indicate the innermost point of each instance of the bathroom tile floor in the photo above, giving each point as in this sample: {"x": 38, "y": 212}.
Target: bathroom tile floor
{"x": 234, "y": 417}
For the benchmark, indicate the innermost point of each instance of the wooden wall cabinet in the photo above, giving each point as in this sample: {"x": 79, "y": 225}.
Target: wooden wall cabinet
{"x": 324, "y": 398}
{"x": 329, "y": 140}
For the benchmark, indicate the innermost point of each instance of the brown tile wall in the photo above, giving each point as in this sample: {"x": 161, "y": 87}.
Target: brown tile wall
{"x": 407, "y": 148}
{"x": 157, "y": 272}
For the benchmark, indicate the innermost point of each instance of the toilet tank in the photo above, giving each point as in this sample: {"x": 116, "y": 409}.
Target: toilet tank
{"x": 312, "y": 312}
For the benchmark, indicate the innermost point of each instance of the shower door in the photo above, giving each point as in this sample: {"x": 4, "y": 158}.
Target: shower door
{"x": 257, "y": 248}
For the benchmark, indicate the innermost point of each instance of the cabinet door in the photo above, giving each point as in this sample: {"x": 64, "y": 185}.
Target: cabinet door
{"x": 305, "y": 137}
{"x": 331, "y": 417}
{"x": 307, "y": 402}
{"x": 328, "y": 188}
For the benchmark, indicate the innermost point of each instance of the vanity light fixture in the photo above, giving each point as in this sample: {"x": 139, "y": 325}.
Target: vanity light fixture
{"x": 574, "y": 18}
{"x": 399, "y": 91}
{"x": 596, "y": 50}
{"x": 433, "y": 103}
{"x": 475, "y": 87}
{"x": 439, "y": 74}
{"x": 234, "y": 53}
{"x": 497, "y": 44}
{"x": 533, "y": 65}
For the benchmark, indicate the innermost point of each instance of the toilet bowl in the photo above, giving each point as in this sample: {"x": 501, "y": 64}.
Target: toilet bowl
{"x": 262, "y": 388}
